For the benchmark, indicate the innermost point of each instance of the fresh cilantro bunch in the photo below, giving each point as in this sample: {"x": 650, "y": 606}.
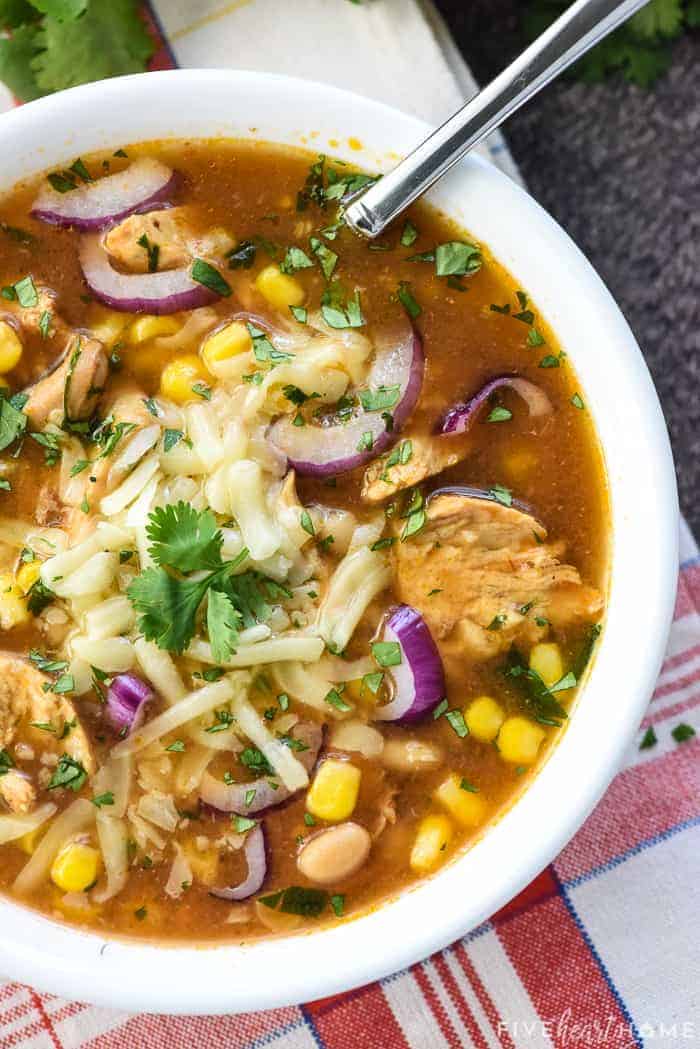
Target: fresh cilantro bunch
{"x": 55, "y": 44}
{"x": 640, "y": 49}
{"x": 186, "y": 547}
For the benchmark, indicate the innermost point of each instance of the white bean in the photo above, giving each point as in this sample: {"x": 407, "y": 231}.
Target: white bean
{"x": 334, "y": 854}
{"x": 411, "y": 755}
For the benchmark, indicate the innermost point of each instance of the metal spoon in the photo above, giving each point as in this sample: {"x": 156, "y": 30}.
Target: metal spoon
{"x": 581, "y": 27}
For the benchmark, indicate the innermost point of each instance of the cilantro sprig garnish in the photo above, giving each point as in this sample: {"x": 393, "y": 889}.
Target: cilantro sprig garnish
{"x": 186, "y": 547}
{"x": 57, "y": 45}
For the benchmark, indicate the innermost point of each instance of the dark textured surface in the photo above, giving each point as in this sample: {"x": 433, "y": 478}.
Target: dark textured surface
{"x": 619, "y": 168}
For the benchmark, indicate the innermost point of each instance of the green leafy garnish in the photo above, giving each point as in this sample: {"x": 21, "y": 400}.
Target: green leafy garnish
{"x": 56, "y": 44}
{"x": 13, "y": 422}
{"x": 501, "y": 494}
{"x": 184, "y": 538}
{"x": 206, "y": 274}
{"x": 387, "y": 653}
{"x": 307, "y": 903}
{"x": 69, "y": 773}
{"x": 683, "y": 732}
{"x": 103, "y": 799}
{"x": 640, "y": 49}
{"x": 294, "y": 260}
{"x": 222, "y": 625}
{"x": 456, "y": 258}
{"x": 409, "y": 234}
{"x": 405, "y": 297}
{"x": 649, "y": 739}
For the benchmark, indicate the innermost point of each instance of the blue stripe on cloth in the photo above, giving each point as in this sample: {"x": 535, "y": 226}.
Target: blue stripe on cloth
{"x": 279, "y": 1032}
{"x": 312, "y": 1027}
{"x": 641, "y": 846}
{"x": 599, "y": 962}
{"x": 690, "y": 562}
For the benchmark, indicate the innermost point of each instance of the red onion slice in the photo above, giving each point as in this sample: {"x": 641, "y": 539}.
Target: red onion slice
{"x": 158, "y": 293}
{"x": 126, "y": 698}
{"x": 480, "y": 493}
{"x": 418, "y": 680}
{"x": 256, "y": 857}
{"x": 332, "y": 447}
{"x": 461, "y": 416}
{"x": 231, "y": 797}
{"x": 97, "y": 205}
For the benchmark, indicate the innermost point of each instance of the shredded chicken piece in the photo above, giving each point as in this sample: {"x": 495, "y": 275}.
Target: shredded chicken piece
{"x": 74, "y": 386}
{"x": 386, "y": 814}
{"x": 172, "y": 231}
{"x": 483, "y": 575}
{"x": 24, "y": 702}
{"x": 17, "y": 791}
{"x": 30, "y": 319}
{"x": 49, "y": 510}
{"x": 430, "y": 455}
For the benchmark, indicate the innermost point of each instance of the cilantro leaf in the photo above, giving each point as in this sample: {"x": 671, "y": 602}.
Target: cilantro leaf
{"x": 16, "y": 55}
{"x": 109, "y": 39}
{"x": 222, "y": 625}
{"x": 63, "y": 10}
{"x": 13, "y": 423}
{"x": 168, "y": 607}
{"x": 184, "y": 538}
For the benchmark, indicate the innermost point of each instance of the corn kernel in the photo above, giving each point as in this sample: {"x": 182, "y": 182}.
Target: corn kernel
{"x": 76, "y": 867}
{"x": 484, "y": 716}
{"x": 279, "y": 289}
{"x": 143, "y": 329}
{"x": 230, "y": 341}
{"x": 333, "y": 793}
{"x": 13, "y": 607}
{"x": 545, "y": 660}
{"x": 180, "y": 375}
{"x": 430, "y": 845}
{"x": 10, "y": 347}
{"x": 106, "y": 325}
{"x": 27, "y": 575}
{"x": 467, "y": 807}
{"x": 519, "y": 740}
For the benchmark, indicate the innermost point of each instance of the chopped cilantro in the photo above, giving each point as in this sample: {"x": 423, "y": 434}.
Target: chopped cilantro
{"x": 387, "y": 653}
{"x": 683, "y": 732}
{"x": 649, "y": 739}
{"x": 209, "y": 276}
{"x": 68, "y": 773}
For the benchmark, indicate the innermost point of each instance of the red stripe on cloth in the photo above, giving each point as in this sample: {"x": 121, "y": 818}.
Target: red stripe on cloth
{"x": 680, "y": 682}
{"x": 642, "y": 802}
{"x": 543, "y": 887}
{"x": 688, "y": 596}
{"x": 461, "y": 1005}
{"x": 162, "y": 57}
{"x": 184, "y": 1032}
{"x": 680, "y": 658}
{"x": 362, "y": 1019}
{"x": 38, "y": 1003}
{"x": 485, "y": 999}
{"x": 436, "y": 1007}
{"x": 672, "y": 711}
{"x": 562, "y": 978}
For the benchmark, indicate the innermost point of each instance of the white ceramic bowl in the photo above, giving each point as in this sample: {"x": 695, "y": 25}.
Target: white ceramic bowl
{"x": 616, "y": 388}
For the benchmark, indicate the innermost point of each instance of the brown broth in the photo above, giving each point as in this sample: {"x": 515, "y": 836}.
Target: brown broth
{"x": 557, "y": 470}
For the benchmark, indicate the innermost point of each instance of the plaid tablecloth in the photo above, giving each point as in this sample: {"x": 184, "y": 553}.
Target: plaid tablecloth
{"x": 602, "y": 948}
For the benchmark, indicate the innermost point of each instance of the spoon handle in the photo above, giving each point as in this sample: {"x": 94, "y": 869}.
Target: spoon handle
{"x": 582, "y": 26}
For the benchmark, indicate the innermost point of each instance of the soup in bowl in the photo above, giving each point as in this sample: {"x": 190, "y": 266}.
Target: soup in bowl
{"x": 306, "y": 543}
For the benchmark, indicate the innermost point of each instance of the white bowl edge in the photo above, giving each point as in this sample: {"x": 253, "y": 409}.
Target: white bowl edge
{"x": 616, "y": 387}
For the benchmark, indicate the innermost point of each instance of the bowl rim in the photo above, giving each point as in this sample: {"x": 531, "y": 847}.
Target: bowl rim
{"x": 230, "y": 978}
